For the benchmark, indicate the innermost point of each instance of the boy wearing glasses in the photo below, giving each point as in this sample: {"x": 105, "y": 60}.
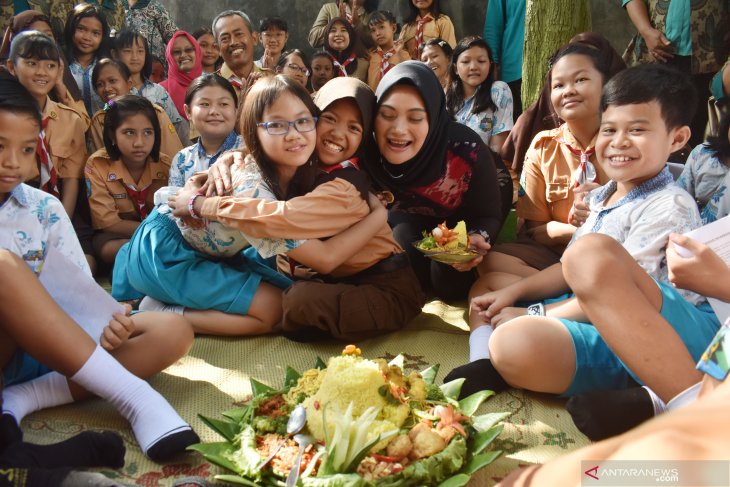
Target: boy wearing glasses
{"x": 273, "y": 34}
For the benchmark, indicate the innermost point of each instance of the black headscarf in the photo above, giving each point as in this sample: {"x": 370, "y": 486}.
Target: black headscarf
{"x": 430, "y": 162}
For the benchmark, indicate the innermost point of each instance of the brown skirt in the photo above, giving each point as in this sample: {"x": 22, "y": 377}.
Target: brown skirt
{"x": 530, "y": 252}
{"x": 364, "y": 306}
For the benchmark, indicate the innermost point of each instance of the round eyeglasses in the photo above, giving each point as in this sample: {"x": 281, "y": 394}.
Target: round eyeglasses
{"x": 281, "y": 127}
{"x": 298, "y": 69}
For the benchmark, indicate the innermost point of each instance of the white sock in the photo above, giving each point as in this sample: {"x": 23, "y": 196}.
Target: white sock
{"x": 659, "y": 405}
{"x": 151, "y": 304}
{"x": 46, "y": 391}
{"x": 151, "y": 416}
{"x": 684, "y": 398}
{"x": 479, "y": 343}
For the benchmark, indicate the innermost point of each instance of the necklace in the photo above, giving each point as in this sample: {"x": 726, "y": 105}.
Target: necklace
{"x": 385, "y": 168}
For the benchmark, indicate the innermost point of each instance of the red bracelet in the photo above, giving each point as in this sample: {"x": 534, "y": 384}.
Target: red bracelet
{"x": 191, "y": 206}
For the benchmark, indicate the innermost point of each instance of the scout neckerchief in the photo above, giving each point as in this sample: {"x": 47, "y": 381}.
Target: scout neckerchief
{"x": 354, "y": 162}
{"x": 419, "y": 32}
{"x": 49, "y": 177}
{"x": 384, "y": 63}
{"x": 138, "y": 197}
{"x": 586, "y": 172}
{"x": 340, "y": 67}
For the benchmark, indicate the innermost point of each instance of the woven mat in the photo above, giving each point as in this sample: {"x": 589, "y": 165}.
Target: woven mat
{"x": 215, "y": 377}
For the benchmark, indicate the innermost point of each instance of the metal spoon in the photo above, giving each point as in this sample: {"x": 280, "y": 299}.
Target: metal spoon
{"x": 294, "y": 425}
{"x": 304, "y": 441}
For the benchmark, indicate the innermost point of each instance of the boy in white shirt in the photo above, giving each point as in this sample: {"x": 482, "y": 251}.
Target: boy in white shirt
{"x": 555, "y": 348}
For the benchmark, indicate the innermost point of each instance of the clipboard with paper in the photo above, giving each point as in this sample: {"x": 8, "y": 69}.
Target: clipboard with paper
{"x": 715, "y": 235}
{"x": 76, "y": 292}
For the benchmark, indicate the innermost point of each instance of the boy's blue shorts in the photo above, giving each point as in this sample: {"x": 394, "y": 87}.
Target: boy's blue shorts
{"x": 22, "y": 368}
{"x": 598, "y": 368}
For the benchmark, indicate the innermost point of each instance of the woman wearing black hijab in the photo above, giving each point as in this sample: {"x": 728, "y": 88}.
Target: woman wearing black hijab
{"x": 437, "y": 170}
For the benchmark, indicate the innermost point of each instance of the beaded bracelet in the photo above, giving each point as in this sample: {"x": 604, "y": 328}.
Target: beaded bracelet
{"x": 191, "y": 206}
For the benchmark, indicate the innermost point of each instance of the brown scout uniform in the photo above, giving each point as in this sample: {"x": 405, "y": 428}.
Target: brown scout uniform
{"x": 169, "y": 145}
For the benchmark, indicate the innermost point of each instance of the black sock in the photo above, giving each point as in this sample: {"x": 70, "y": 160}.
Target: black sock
{"x": 33, "y": 477}
{"x": 479, "y": 375}
{"x": 87, "y": 449}
{"x": 172, "y": 444}
{"x": 603, "y": 414}
{"x": 10, "y": 432}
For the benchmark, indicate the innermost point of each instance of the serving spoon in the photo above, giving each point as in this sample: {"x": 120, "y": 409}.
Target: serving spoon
{"x": 297, "y": 420}
{"x": 304, "y": 441}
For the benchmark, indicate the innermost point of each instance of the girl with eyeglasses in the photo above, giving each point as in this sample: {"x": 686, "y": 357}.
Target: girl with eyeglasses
{"x": 243, "y": 294}
{"x": 294, "y": 63}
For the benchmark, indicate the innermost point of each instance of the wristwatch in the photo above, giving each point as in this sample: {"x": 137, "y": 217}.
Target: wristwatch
{"x": 537, "y": 309}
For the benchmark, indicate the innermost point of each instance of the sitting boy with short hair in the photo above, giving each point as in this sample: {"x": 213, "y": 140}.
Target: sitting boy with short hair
{"x": 555, "y": 348}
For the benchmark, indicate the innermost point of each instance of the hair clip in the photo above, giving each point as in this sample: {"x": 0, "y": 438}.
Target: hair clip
{"x": 110, "y": 104}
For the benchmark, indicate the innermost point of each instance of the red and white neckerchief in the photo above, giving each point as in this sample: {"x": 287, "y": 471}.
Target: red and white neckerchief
{"x": 340, "y": 67}
{"x": 354, "y": 162}
{"x": 586, "y": 172}
{"x": 49, "y": 177}
{"x": 419, "y": 32}
{"x": 138, "y": 197}
{"x": 384, "y": 63}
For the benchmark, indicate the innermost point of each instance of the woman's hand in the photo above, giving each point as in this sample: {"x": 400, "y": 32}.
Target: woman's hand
{"x": 478, "y": 244}
{"x": 219, "y": 174}
{"x": 704, "y": 272}
{"x": 118, "y": 331}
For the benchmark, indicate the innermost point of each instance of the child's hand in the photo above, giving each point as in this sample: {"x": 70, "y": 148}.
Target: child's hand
{"x": 507, "y": 313}
{"x": 179, "y": 202}
{"x": 704, "y": 272}
{"x": 118, "y": 331}
{"x": 490, "y": 304}
{"x": 219, "y": 174}
{"x": 580, "y": 211}
{"x": 267, "y": 60}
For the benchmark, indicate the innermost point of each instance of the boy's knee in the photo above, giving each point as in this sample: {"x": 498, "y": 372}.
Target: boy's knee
{"x": 587, "y": 260}
{"x": 511, "y": 350}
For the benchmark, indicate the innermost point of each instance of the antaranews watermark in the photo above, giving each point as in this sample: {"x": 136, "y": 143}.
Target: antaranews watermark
{"x": 649, "y": 473}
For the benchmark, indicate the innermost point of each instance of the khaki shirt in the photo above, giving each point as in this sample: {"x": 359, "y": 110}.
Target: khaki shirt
{"x": 329, "y": 209}
{"x": 169, "y": 143}
{"x": 546, "y": 184}
{"x": 441, "y": 28}
{"x": 237, "y": 82}
{"x": 65, "y": 135}
{"x": 105, "y": 184}
{"x": 376, "y": 59}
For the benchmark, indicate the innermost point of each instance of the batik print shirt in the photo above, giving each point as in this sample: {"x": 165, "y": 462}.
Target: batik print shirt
{"x": 31, "y": 221}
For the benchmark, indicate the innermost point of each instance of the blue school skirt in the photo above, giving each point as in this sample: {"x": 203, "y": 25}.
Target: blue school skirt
{"x": 157, "y": 262}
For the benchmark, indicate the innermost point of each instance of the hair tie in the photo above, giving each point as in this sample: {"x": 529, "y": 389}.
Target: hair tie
{"x": 109, "y": 105}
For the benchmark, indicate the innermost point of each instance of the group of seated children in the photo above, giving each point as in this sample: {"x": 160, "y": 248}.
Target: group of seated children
{"x": 592, "y": 302}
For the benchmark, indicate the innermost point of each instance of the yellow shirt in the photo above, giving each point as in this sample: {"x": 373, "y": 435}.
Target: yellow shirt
{"x": 169, "y": 143}
{"x": 441, "y": 28}
{"x": 376, "y": 60}
{"x": 107, "y": 182}
{"x": 65, "y": 135}
{"x": 547, "y": 180}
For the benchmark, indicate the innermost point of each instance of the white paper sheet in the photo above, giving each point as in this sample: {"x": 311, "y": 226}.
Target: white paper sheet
{"x": 87, "y": 303}
{"x": 715, "y": 235}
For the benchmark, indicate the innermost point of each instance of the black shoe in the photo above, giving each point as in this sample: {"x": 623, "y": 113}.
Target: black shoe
{"x": 480, "y": 375}
{"x": 600, "y": 415}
